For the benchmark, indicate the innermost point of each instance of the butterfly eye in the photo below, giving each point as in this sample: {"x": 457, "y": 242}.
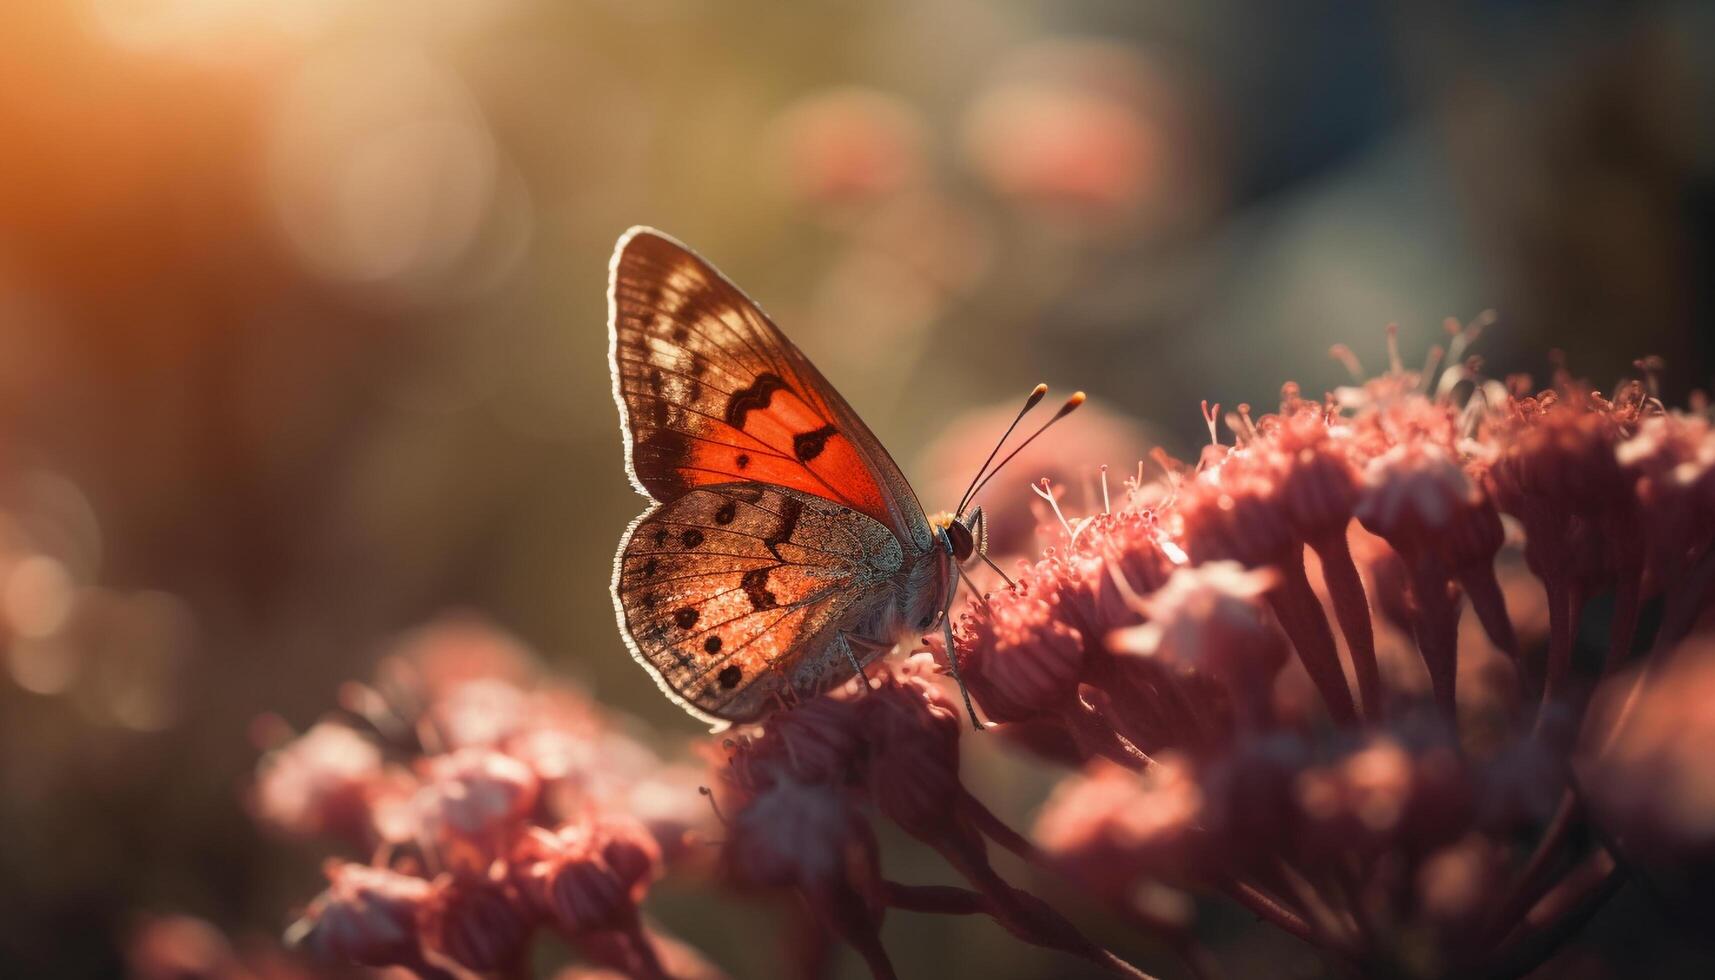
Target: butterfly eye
{"x": 926, "y": 622}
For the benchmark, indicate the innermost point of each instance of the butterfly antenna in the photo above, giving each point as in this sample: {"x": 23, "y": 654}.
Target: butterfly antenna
{"x": 1029, "y": 403}
{"x": 1071, "y": 405}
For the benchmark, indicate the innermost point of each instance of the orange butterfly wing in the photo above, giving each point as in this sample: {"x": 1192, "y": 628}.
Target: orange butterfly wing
{"x": 710, "y": 391}
{"x": 732, "y": 595}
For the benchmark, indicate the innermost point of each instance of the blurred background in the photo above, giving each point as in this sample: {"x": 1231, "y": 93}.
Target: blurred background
{"x": 302, "y": 318}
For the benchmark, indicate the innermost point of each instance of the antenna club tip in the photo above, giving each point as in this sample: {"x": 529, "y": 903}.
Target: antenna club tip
{"x": 1038, "y": 391}
{"x": 1077, "y": 399}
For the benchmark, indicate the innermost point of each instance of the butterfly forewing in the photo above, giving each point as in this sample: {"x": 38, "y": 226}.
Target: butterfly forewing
{"x": 732, "y": 594}
{"x": 712, "y": 392}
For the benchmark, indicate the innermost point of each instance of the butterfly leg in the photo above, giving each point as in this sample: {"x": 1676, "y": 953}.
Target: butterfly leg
{"x": 953, "y": 662}
{"x": 953, "y": 653}
{"x": 845, "y": 644}
{"x": 860, "y": 650}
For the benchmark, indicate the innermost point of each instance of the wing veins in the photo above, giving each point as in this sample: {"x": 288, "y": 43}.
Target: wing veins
{"x": 714, "y": 281}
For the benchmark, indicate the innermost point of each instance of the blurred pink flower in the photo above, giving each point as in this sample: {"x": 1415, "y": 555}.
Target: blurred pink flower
{"x": 588, "y": 876}
{"x": 1647, "y": 770}
{"x": 319, "y": 784}
{"x": 1211, "y": 618}
{"x": 1092, "y": 135}
{"x": 181, "y": 947}
{"x": 367, "y": 915}
{"x": 478, "y": 922}
{"x": 1110, "y": 826}
{"x": 481, "y": 712}
{"x": 846, "y": 146}
{"x": 476, "y": 796}
{"x": 450, "y": 652}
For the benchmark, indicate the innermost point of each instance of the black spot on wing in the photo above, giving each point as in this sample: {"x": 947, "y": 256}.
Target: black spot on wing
{"x": 754, "y": 398}
{"x": 791, "y": 509}
{"x": 729, "y": 677}
{"x": 755, "y": 585}
{"x": 808, "y": 445}
{"x": 712, "y": 645}
{"x": 685, "y": 618}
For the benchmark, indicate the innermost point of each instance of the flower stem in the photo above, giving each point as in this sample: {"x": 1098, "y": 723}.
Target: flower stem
{"x": 1001, "y": 833}
{"x": 1300, "y": 614}
{"x": 1484, "y": 591}
{"x": 1352, "y": 609}
{"x": 1270, "y": 909}
{"x": 1576, "y": 901}
{"x": 1560, "y": 626}
{"x": 1534, "y": 879}
{"x": 1094, "y": 734}
{"x": 1025, "y": 915}
{"x": 934, "y": 899}
{"x": 1435, "y": 628}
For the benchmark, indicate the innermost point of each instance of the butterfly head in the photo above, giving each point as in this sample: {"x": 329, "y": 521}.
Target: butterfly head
{"x": 963, "y": 533}
{"x": 961, "y": 536}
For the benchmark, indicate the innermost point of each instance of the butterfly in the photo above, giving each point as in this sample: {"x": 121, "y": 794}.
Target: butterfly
{"x": 783, "y": 549}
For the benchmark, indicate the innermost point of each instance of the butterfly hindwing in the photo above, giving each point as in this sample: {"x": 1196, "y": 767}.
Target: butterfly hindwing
{"x": 712, "y": 392}
{"x": 733, "y": 594}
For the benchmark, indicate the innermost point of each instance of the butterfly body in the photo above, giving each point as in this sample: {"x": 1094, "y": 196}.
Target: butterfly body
{"x": 785, "y": 549}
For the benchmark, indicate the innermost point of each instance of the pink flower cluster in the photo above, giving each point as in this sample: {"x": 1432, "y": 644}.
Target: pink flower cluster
{"x": 492, "y": 807}
{"x": 1265, "y": 675}
{"x": 1417, "y": 673}
{"x": 797, "y": 796}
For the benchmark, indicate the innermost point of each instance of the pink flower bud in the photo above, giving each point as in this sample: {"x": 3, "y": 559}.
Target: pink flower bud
{"x": 367, "y": 915}
{"x": 1235, "y": 513}
{"x": 632, "y": 852}
{"x": 1210, "y": 618}
{"x": 1019, "y": 657}
{"x": 480, "y": 923}
{"x": 477, "y": 794}
{"x": 913, "y": 731}
{"x": 1317, "y": 484}
{"x": 318, "y": 783}
{"x": 1110, "y": 826}
{"x": 1673, "y": 457}
{"x": 817, "y": 741}
{"x": 1416, "y": 495}
{"x": 481, "y": 712}
{"x": 588, "y": 876}
{"x": 793, "y": 834}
